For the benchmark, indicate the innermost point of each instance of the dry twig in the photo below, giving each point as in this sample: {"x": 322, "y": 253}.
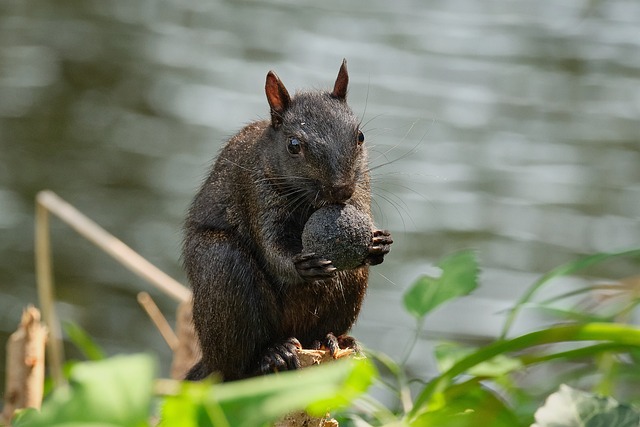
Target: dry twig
{"x": 158, "y": 319}
{"x": 25, "y": 364}
{"x": 188, "y": 351}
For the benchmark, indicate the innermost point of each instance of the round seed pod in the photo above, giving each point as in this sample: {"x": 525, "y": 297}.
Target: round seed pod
{"x": 339, "y": 233}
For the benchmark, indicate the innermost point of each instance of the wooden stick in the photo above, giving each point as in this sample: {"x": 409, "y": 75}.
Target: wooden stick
{"x": 188, "y": 351}
{"x": 44, "y": 280}
{"x": 158, "y": 319}
{"x": 25, "y": 364}
{"x": 113, "y": 246}
{"x": 47, "y": 201}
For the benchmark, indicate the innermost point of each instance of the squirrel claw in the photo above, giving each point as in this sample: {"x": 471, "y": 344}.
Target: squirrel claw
{"x": 332, "y": 344}
{"x": 312, "y": 267}
{"x": 380, "y": 246}
{"x": 281, "y": 357}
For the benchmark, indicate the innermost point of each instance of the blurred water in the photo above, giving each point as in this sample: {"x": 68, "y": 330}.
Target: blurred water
{"x": 512, "y": 126}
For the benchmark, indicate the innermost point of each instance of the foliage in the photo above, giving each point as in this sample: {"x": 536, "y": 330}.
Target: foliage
{"x": 257, "y": 401}
{"x": 596, "y": 349}
{"x": 83, "y": 341}
{"x": 458, "y": 278}
{"x": 111, "y": 392}
{"x": 570, "y": 407}
{"x": 479, "y": 386}
{"x": 119, "y": 392}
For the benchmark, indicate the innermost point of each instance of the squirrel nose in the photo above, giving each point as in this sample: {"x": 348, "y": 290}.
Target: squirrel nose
{"x": 339, "y": 193}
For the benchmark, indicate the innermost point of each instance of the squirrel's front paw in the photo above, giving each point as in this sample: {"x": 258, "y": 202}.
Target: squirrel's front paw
{"x": 281, "y": 357}
{"x": 380, "y": 246}
{"x": 313, "y": 267}
{"x": 333, "y": 344}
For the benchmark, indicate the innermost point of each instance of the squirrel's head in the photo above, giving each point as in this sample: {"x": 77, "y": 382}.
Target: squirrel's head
{"x": 318, "y": 147}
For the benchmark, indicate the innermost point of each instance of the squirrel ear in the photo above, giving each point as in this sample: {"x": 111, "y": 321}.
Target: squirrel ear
{"x": 278, "y": 98}
{"x": 340, "y": 88}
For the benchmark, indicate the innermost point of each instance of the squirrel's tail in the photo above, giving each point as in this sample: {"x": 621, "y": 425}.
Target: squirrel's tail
{"x": 198, "y": 372}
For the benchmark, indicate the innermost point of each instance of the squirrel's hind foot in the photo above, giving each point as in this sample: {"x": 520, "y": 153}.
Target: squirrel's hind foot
{"x": 280, "y": 357}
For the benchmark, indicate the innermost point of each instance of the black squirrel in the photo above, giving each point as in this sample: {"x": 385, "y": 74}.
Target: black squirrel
{"x": 256, "y": 297}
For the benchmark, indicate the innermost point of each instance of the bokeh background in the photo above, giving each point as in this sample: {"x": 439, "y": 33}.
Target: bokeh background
{"x": 511, "y": 127}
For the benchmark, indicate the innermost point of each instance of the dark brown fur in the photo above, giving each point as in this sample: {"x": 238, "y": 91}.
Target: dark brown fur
{"x": 253, "y": 290}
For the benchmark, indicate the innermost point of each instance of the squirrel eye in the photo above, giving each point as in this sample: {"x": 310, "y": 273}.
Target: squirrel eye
{"x": 294, "y": 146}
{"x": 360, "y": 137}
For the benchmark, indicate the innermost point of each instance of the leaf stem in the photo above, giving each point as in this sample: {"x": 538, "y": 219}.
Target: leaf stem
{"x": 620, "y": 334}
{"x": 562, "y": 270}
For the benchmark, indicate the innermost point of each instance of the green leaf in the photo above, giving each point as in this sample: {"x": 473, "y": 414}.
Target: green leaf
{"x": 83, "y": 341}
{"x": 387, "y": 362}
{"x": 256, "y": 401}
{"x": 614, "y": 333}
{"x": 358, "y": 380}
{"x": 569, "y": 314}
{"x": 188, "y": 408}
{"x": 21, "y": 416}
{"x": 112, "y": 392}
{"x": 569, "y": 407}
{"x": 562, "y": 270}
{"x": 448, "y": 354}
{"x": 468, "y": 405}
{"x": 459, "y": 277}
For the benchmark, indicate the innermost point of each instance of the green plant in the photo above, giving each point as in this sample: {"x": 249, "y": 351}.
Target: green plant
{"x": 110, "y": 392}
{"x": 476, "y": 386}
{"x": 479, "y": 386}
{"x": 570, "y": 407}
{"x": 119, "y": 392}
{"x": 257, "y": 401}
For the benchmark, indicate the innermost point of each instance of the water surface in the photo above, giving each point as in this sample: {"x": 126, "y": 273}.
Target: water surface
{"x": 511, "y": 127}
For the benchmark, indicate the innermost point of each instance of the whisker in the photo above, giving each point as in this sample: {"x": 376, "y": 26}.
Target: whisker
{"x": 405, "y": 174}
{"x": 301, "y": 200}
{"x": 408, "y": 153}
{"x": 385, "y": 129}
{"x": 363, "y": 126}
{"x": 393, "y": 195}
{"x": 398, "y": 208}
{"x": 381, "y": 212}
{"x": 398, "y": 144}
{"x": 294, "y": 192}
{"x": 416, "y": 192}
{"x": 236, "y": 164}
{"x": 377, "y": 179}
{"x": 366, "y": 103}
{"x": 386, "y": 278}
{"x": 284, "y": 178}
{"x": 381, "y": 154}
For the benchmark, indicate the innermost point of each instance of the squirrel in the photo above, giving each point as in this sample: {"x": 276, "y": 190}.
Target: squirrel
{"x": 256, "y": 296}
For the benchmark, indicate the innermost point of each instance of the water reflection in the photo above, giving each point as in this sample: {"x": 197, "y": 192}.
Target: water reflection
{"x": 513, "y": 125}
